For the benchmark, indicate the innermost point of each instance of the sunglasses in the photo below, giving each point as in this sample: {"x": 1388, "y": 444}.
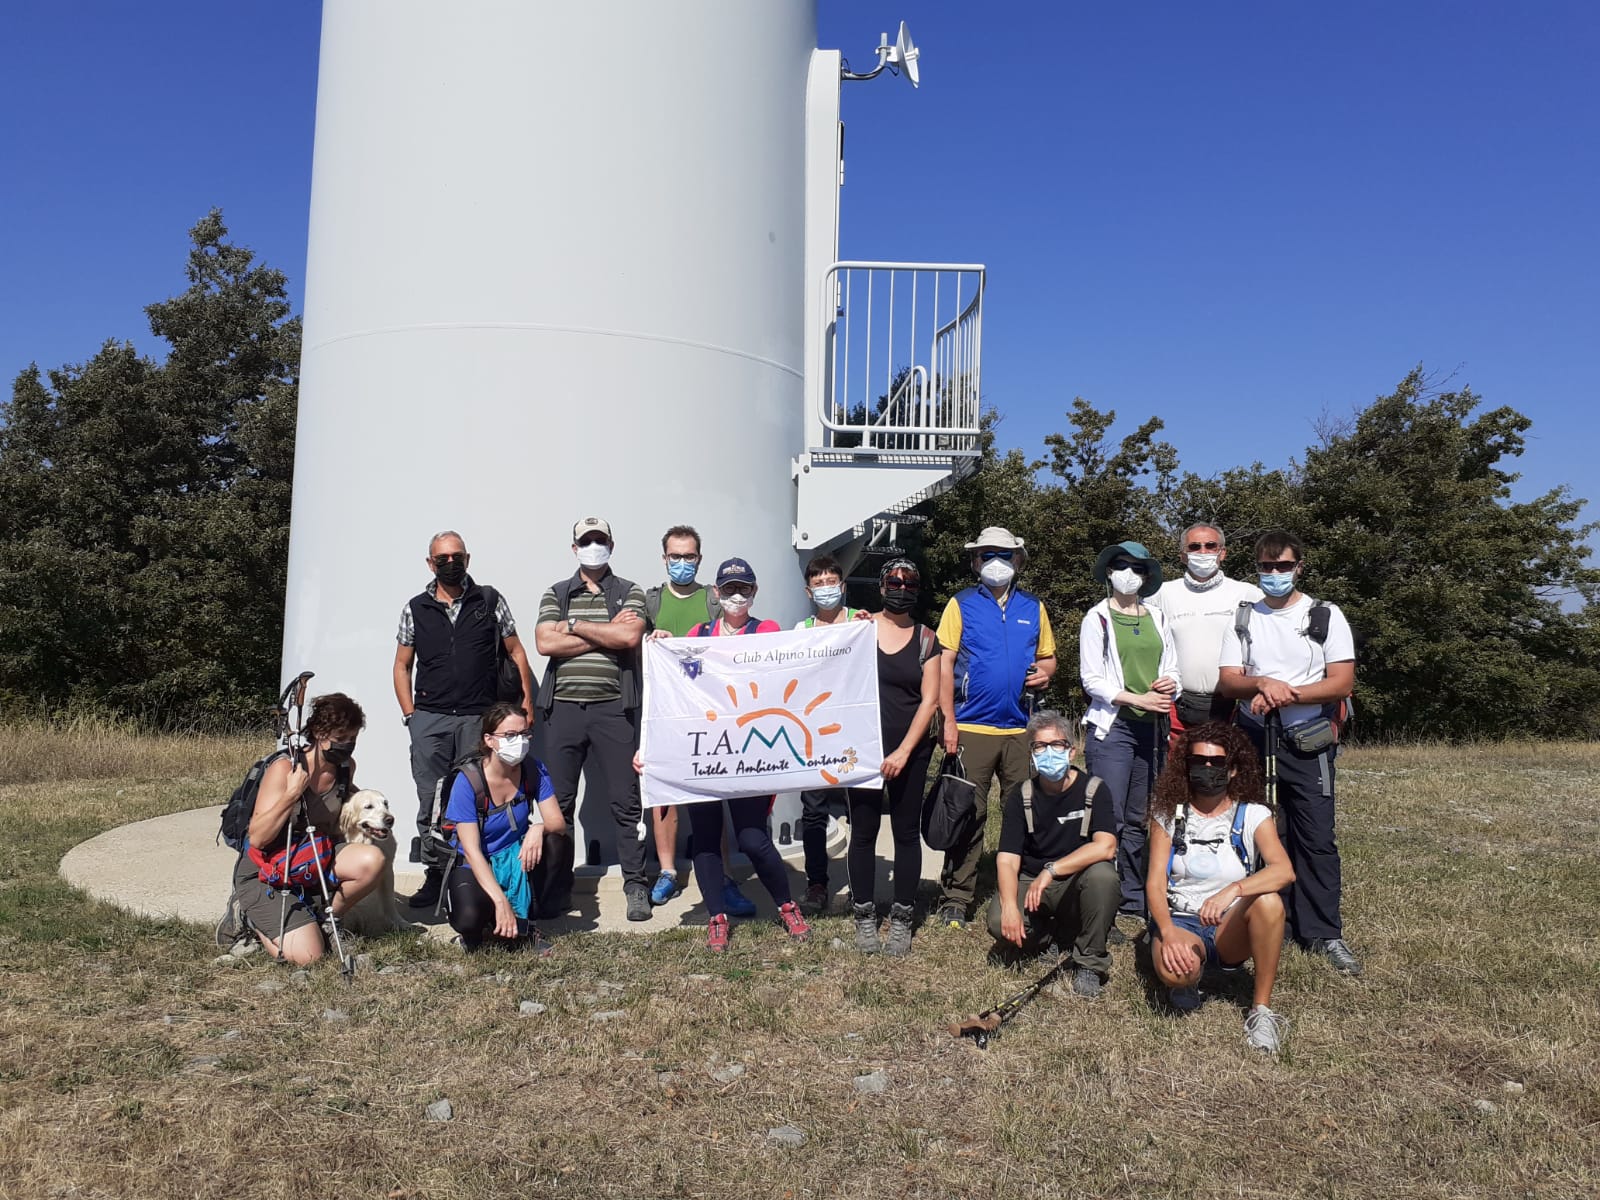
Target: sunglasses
{"x": 1277, "y": 568}
{"x": 1138, "y": 568}
{"x": 595, "y": 539}
{"x": 1204, "y": 546}
{"x": 737, "y": 589}
{"x": 1209, "y": 760}
{"x": 987, "y": 555}
{"x": 440, "y": 560}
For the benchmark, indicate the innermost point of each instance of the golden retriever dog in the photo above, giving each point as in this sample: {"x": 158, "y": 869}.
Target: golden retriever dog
{"x": 366, "y": 819}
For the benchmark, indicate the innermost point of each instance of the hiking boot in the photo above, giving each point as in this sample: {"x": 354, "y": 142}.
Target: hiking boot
{"x": 734, "y": 900}
{"x": 898, "y": 944}
{"x": 717, "y": 934}
{"x": 427, "y": 895}
{"x": 1115, "y": 936}
{"x": 952, "y": 916}
{"x": 666, "y": 887}
{"x": 815, "y": 902}
{"x": 1086, "y": 983}
{"x": 1337, "y": 953}
{"x": 867, "y": 928}
{"x": 1264, "y": 1030}
{"x": 638, "y": 901}
{"x": 536, "y": 942}
{"x": 793, "y": 922}
{"x": 231, "y": 928}
{"x": 1184, "y": 999}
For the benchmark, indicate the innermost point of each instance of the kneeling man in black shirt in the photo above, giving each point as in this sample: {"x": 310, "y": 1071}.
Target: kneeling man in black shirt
{"x": 1055, "y": 867}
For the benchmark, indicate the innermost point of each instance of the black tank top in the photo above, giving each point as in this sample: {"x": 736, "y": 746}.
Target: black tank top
{"x": 899, "y": 689}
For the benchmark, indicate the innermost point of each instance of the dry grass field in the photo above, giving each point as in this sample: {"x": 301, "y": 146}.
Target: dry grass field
{"x": 1466, "y": 1062}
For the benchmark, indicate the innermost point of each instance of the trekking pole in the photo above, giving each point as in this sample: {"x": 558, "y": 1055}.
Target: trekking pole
{"x": 1270, "y": 739}
{"x": 980, "y": 1027}
{"x": 347, "y": 965}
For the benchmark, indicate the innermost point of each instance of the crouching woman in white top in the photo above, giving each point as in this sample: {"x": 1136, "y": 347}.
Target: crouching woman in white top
{"x": 1216, "y": 868}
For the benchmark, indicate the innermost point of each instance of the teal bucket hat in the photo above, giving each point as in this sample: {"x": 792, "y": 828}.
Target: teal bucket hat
{"x": 1152, "y": 579}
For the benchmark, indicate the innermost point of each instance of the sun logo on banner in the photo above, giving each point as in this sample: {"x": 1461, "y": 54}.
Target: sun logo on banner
{"x": 777, "y": 723}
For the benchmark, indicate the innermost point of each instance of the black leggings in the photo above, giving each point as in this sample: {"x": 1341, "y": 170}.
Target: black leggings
{"x": 471, "y": 910}
{"x": 749, "y": 815}
{"x": 902, "y": 796}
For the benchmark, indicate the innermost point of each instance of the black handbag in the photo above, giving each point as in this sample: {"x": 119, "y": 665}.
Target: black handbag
{"x": 950, "y": 807}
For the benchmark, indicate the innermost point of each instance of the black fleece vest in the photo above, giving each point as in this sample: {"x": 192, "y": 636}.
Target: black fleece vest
{"x": 455, "y": 662}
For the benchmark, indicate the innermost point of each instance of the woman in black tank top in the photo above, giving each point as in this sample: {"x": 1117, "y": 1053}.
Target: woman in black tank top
{"x": 908, "y": 694}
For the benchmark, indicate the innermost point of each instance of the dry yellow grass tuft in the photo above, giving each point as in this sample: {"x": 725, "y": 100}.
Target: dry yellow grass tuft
{"x": 1465, "y": 1063}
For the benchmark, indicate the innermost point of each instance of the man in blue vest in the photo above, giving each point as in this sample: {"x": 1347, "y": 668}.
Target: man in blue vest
{"x": 452, "y": 633}
{"x": 996, "y": 647}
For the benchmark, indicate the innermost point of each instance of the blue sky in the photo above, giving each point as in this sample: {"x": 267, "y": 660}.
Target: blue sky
{"x": 1235, "y": 217}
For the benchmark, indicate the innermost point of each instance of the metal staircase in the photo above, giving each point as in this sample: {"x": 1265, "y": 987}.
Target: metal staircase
{"x": 893, "y": 391}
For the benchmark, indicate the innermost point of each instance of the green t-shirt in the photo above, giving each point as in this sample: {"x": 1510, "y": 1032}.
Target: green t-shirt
{"x": 1139, "y": 648}
{"x": 679, "y": 615}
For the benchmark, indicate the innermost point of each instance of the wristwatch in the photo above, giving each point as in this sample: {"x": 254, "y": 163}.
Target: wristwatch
{"x": 1050, "y": 869}
{"x": 572, "y": 624}
{"x": 405, "y": 719}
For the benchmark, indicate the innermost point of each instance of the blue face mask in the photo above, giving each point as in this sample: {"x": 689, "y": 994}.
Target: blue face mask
{"x": 682, "y": 572}
{"x": 1052, "y": 764}
{"x": 1276, "y": 583}
{"x": 828, "y": 597}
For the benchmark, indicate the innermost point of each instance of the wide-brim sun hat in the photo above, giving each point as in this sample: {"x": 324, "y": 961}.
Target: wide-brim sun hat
{"x": 996, "y": 538}
{"x": 1152, "y": 579}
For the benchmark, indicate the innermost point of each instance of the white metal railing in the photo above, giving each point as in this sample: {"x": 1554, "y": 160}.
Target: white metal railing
{"x": 899, "y": 356}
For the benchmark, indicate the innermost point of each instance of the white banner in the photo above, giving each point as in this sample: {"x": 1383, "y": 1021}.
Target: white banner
{"x": 760, "y": 713}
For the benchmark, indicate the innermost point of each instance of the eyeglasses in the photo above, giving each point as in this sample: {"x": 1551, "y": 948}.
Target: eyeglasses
{"x": 441, "y": 560}
{"x": 737, "y": 589}
{"x": 1204, "y": 546}
{"x": 511, "y": 733}
{"x": 1209, "y": 760}
{"x": 683, "y": 558}
{"x": 986, "y": 555}
{"x": 1138, "y": 568}
{"x": 1277, "y": 568}
{"x": 1052, "y": 745}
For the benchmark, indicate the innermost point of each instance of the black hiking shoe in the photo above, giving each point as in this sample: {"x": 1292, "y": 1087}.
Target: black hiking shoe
{"x": 952, "y": 916}
{"x": 427, "y": 895}
{"x": 232, "y": 928}
{"x": 815, "y": 902}
{"x": 1086, "y": 983}
{"x": 1339, "y": 955}
{"x": 638, "y": 901}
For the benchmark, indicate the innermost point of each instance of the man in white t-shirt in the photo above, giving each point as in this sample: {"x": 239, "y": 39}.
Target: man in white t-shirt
{"x": 1294, "y": 662}
{"x": 1200, "y": 607}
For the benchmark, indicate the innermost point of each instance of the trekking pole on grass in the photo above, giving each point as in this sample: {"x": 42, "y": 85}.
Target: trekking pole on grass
{"x": 347, "y": 965}
{"x": 980, "y": 1027}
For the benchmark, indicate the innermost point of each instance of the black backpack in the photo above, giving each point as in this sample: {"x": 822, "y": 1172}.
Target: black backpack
{"x": 507, "y": 677}
{"x": 241, "y": 805}
{"x": 950, "y": 807}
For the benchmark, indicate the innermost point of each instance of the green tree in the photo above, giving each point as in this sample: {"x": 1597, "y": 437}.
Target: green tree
{"x": 144, "y": 506}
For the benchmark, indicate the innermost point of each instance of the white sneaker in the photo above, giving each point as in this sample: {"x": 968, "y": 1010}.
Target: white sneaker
{"x": 1264, "y": 1030}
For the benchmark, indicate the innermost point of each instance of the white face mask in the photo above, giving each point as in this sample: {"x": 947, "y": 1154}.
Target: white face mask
{"x": 1126, "y": 581}
{"x": 736, "y": 605}
{"x": 997, "y": 572}
{"x": 594, "y": 554}
{"x": 1202, "y": 566}
{"x": 513, "y": 748}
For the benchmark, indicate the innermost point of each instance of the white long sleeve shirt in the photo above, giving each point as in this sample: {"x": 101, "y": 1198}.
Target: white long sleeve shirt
{"x": 1100, "y": 666}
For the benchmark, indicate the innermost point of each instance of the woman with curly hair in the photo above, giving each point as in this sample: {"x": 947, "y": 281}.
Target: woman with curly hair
{"x": 1216, "y": 868}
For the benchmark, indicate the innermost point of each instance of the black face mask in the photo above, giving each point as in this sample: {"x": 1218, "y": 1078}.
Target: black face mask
{"x": 1205, "y": 780}
{"x": 339, "y": 753}
{"x": 900, "y": 600}
{"x": 452, "y": 573}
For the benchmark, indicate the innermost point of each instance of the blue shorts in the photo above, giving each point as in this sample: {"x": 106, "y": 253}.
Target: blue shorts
{"x": 1206, "y": 933}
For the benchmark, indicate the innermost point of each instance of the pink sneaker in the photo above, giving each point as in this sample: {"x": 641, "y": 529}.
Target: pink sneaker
{"x": 794, "y": 922}
{"x": 717, "y": 934}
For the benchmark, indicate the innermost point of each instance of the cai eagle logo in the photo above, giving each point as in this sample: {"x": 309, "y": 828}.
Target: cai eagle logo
{"x": 692, "y": 664}
{"x": 792, "y": 738}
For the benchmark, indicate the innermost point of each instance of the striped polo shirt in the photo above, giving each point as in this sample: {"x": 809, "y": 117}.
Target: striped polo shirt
{"x": 593, "y": 675}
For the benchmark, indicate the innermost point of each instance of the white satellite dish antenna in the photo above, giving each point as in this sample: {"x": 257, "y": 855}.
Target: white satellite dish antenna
{"x": 900, "y": 58}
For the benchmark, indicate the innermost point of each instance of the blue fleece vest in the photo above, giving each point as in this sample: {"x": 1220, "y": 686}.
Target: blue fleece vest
{"x": 997, "y": 648}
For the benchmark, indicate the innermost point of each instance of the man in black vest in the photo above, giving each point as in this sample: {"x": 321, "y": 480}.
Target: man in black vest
{"x": 451, "y": 632}
{"x": 590, "y": 627}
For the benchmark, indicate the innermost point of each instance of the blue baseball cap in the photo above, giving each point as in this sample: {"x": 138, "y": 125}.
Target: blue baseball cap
{"x": 736, "y": 570}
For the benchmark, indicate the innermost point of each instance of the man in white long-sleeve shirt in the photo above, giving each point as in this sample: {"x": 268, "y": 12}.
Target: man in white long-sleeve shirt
{"x": 1200, "y": 607}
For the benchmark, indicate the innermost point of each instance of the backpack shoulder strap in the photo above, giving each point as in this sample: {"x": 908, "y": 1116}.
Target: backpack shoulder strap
{"x": 652, "y": 605}
{"x": 1241, "y": 626}
{"x": 1089, "y": 791}
{"x": 1105, "y": 638}
{"x": 929, "y": 644}
{"x": 1317, "y": 621}
{"x": 1180, "y": 821}
{"x": 1236, "y": 836}
{"x": 473, "y": 770}
{"x": 1027, "y": 804}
